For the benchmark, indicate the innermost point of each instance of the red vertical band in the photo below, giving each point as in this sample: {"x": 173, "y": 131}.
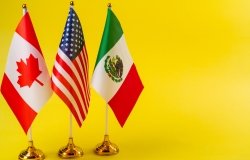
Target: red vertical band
{"x": 124, "y": 100}
{"x": 24, "y": 113}
{"x": 25, "y": 29}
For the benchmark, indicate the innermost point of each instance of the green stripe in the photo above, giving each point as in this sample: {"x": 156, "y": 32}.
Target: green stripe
{"x": 111, "y": 34}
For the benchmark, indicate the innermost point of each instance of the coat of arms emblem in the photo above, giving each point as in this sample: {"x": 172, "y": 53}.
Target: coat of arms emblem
{"x": 114, "y": 68}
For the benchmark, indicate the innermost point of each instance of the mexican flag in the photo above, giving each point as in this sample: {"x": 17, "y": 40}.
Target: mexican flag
{"x": 115, "y": 76}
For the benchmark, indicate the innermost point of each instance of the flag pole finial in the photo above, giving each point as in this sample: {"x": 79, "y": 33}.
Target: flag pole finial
{"x": 24, "y": 6}
{"x": 72, "y": 3}
{"x": 109, "y": 5}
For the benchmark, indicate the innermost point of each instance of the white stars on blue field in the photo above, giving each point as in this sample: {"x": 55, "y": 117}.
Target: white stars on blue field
{"x": 72, "y": 41}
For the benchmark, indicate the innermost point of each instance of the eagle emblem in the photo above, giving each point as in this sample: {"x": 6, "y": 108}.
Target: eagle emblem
{"x": 114, "y": 68}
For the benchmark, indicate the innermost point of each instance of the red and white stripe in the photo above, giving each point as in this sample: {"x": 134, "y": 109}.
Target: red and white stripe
{"x": 70, "y": 81}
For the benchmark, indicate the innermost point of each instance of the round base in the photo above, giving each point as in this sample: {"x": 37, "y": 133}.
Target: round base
{"x": 70, "y": 151}
{"x": 31, "y": 153}
{"x": 106, "y": 148}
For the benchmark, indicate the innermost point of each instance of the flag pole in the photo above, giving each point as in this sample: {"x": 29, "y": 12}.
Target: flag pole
{"x": 106, "y": 120}
{"x": 31, "y": 152}
{"x": 70, "y": 125}
{"x": 70, "y": 150}
{"x": 30, "y": 134}
{"x": 106, "y": 148}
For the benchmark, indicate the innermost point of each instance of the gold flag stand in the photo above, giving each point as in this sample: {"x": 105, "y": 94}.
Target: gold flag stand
{"x": 106, "y": 148}
{"x": 70, "y": 150}
{"x": 31, "y": 153}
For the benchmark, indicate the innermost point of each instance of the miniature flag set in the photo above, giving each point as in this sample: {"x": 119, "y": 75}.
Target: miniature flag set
{"x": 27, "y": 85}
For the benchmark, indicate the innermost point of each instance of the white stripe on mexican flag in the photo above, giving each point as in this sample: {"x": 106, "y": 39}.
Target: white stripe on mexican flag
{"x": 115, "y": 77}
{"x": 100, "y": 76}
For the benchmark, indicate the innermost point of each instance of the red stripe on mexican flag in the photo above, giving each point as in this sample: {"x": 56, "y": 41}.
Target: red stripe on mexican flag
{"x": 115, "y": 76}
{"x": 26, "y": 84}
{"x": 125, "y": 98}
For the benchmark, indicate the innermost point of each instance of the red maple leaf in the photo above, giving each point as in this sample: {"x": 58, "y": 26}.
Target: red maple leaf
{"x": 29, "y": 72}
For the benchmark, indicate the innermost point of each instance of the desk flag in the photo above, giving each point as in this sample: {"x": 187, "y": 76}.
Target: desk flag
{"x": 70, "y": 79}
{"x": 115, "y": 76}
{"x": 26, "y": 84}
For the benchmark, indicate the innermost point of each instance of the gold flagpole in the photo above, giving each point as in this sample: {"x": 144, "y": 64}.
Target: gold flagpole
{"x": 31, "y": 152}
{"x": 70, "y": 150}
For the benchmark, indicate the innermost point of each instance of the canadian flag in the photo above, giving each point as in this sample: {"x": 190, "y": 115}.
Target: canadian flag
{"x": 26, "y": 84}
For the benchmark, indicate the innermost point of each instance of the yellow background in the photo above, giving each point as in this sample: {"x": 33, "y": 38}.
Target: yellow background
{"x": 193, "y": 57}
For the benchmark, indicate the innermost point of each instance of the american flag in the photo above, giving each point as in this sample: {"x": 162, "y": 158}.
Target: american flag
{"x": 70, "y": 79}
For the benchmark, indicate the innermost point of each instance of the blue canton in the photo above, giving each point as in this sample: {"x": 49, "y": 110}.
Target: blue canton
{"x": 72, "y": 40}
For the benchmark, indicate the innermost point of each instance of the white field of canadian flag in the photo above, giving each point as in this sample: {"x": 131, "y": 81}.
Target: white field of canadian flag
{"x": 26, "y": 84}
